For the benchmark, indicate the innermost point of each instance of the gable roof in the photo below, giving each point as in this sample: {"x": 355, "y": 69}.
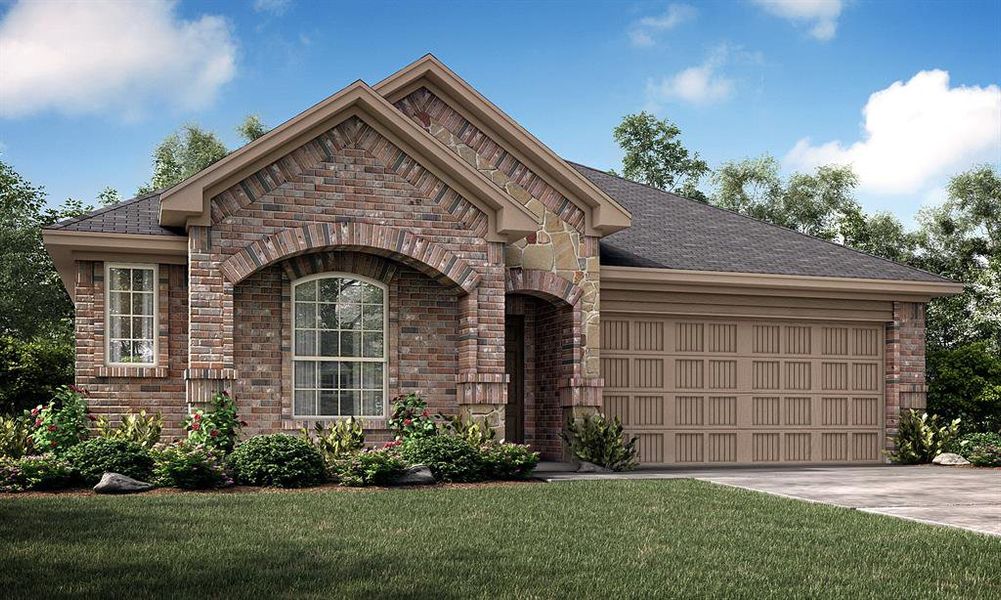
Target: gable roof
{"x": 672, "y": 232}
{"x": 187, "y": 203}
{"x": 604, "y": 214}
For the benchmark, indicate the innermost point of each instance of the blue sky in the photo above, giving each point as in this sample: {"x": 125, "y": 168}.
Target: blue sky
{"x": 87, "y": 90}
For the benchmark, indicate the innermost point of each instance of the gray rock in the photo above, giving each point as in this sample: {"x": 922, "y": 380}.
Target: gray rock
{"x": 416, "y": 475}
{"x": 948, "y": 458}
{"x": 114, "y": 483}
{"x": 586, "y": 467}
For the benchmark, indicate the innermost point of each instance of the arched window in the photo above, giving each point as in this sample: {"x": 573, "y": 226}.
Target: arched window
{"x": 339, "y": 346}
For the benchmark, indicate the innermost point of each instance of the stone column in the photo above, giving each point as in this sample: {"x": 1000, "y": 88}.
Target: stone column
{"x": 905, "y": 364}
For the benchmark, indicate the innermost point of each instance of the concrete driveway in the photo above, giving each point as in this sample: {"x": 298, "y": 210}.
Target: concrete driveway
{"x": 952, "y": 496}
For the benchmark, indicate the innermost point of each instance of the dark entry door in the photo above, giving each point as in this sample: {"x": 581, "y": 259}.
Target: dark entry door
{"x": 514, "y": 358}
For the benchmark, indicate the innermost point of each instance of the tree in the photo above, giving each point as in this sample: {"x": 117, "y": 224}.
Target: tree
{"x": 251, "y": 128}
{"x": 182, "y": 154}
{"x": 655, "y": 156}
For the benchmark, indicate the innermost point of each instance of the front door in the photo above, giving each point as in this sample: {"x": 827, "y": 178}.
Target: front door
{"x": 514, "y": 358}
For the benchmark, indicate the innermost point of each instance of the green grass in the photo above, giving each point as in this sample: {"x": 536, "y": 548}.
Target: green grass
{"x": 586, "y": 539}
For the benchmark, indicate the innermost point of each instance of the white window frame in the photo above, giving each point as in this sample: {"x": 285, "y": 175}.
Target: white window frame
{"x": 385, "y": 344}
{"x": 107, "y": 313}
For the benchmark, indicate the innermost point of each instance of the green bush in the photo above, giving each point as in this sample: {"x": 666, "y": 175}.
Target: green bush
{"x": 217, "y": 428}
{"x": 981, "y": 449}
{"x": 15, "y": 436}
{"x": 345, "y": 437}
{"x": 94, "y": 457}
{"x": 965, "y": 383}
{"x": 507, "y": 461}
{"x": 47, "y": 472}
{"x": 32, "y": 370}
{"x": 62, "y": 423}
{"x": 277, "y": 460}
{"x": 410, "y": 417}
{"x": 476, "y": 433}
{"x": 597, "y": 440}
{"x": 140, "y": 428}
{"x": 189, "y": 466}
{"x": 368, "y": 467}
{"x": 449, "y": 457}
{"x": 920, "y": 438}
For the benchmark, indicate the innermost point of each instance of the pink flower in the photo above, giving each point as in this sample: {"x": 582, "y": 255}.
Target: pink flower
{"x": 408, "y": 422}
{"x": 195, "y": 426}
{"x": 34, "y": 411}
{"x": 38, "y": 422}
{"x": 198, "y": 417}
{"x": 214, "y": 433}
{"x": 425, "y": 413}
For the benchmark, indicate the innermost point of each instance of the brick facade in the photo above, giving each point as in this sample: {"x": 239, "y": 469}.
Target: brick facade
{"x": 905, "y": 364}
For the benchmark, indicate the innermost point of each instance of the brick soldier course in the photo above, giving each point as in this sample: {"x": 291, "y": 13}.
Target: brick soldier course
{"x": 422, "y": 185}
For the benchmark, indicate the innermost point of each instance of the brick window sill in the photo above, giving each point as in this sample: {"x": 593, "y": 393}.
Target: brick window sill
{"x": 132, "y": 372}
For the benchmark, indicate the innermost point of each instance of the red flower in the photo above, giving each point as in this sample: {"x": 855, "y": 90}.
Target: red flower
{"x": 198, "y": 417}
{"x": 425, "y": 413}
{"x": 214, "y": 433}
{"x": 195, "y": 426}
{"x": 34, "y": 412}
{"x": 38, "y": 422}
{"x": 407, "y": 422}
{"x": 53, "y": 428}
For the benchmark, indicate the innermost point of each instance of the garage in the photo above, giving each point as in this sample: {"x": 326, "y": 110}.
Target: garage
{"x": 705, "y": 389}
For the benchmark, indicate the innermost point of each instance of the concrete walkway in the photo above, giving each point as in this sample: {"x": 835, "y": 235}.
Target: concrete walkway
{"x": 952, "y": 496}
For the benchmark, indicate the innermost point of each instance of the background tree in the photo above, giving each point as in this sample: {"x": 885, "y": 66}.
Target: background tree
{"x": 654, "y": 155}
{"x": 251, "y": 128}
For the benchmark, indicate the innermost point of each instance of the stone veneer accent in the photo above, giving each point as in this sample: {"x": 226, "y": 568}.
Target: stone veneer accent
{"x": 905, "y": 364}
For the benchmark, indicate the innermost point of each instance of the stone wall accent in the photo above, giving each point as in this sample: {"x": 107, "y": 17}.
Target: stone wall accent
{"x": 905, "y": 364}
{"x": 118, "y": 390}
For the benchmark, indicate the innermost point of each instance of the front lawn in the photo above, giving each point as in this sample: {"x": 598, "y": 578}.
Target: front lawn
{"x": 585, "y": 539}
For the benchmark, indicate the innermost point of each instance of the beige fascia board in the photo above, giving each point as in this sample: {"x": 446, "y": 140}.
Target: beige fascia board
{"x": 605, "y": 215}
{"x": 68, "y": 247}
{"x": 639, "y": 278}
{"x": 509, "y": 220}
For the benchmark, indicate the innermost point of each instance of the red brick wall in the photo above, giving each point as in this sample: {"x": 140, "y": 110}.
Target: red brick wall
{"x": 905, "y": 364}
{"x": 117, "y": 390}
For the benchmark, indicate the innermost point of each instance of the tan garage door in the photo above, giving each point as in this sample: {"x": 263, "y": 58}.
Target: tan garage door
{"x": 714, "y": 391}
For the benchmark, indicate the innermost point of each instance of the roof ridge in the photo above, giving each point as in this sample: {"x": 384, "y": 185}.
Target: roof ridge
{"x": 100, "y": 211}
{"x": 756, "y": 220}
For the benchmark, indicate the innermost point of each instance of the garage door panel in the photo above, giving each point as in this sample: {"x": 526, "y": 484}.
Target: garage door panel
{"x": 743, "y": 391}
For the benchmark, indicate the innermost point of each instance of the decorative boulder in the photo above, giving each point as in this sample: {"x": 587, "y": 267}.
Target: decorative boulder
{"x": 586, "y": 467}
{"x": 948, "y": 458}
{"x": 416, "y": 475}
{"x": 114, "y": 483}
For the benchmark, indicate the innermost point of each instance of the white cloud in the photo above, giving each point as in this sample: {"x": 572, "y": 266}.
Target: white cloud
{"x": 275, "y": 7}
{"x": 914, "y": 133}
{"x": 820, "y": 15}
{"x": 642, "y": 32}
{"x": 107, "y": 56}
{"x": 700, "y": 85}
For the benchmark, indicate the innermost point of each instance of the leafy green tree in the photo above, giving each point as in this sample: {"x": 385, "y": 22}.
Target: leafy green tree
{"x": 251, "y": 128}
{"x": 182, "y": 154}
{"x": 655, "y": 156}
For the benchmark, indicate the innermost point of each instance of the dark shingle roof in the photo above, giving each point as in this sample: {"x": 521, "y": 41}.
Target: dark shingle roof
{"x": 667, "y": 231}
{"x": 140, "y": 215}
{"x": 672, "y": 232}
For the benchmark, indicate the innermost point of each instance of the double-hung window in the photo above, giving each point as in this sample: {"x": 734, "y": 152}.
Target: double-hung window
{"x": 339, "y": 346}
{"x": 130, "y": 315}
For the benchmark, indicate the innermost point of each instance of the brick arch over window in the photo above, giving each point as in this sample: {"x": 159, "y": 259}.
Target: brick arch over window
{"x": 426, "y": 256}
{"x": 543, "y": 284}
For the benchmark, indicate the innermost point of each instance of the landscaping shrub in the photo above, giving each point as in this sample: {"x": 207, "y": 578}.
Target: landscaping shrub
{"x": 598, "y": 440}
{"x": 449, "y": 457}
{"x": 47, "y": 472}
{"x": 189, "y": 466}
{"x": 15, "y": 436}
{"x": 345, "y": 437}
{"x": 410, "y": 417}
{"x": 507, "y": 461}
{"x": 217, "y": 428}
{"x": 368, "y": 467}
{"x": 965, "y": 383}
{"x": 32, "y": 370}
{"x": 476, "y": 433}
{"x": 140, "y": 428}
{"x": 62, "y": 423}
{"x": 981, "y": 449}
{"x": 920, "y": 438}
{"x": 94, "y": 457}
{"x": 277, "y": 460}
